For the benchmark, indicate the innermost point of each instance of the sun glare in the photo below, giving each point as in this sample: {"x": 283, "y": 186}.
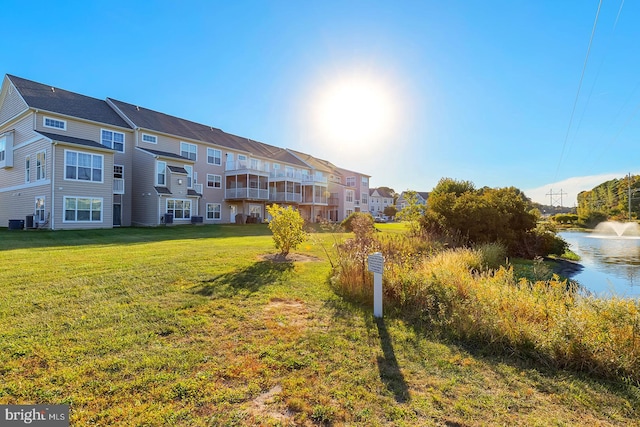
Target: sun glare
{"x": 355, "y": 111}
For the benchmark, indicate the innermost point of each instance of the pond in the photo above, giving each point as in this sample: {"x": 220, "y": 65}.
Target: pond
{"x": 611, "y": 263}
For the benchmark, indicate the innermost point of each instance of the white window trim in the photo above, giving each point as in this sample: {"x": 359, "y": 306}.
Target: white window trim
{"x": 180, "y": 200}
{"x": 214, "y": 175}
{"x": 214, "y": 157}
{"x": 124, "y": 140}
{"x": 188, "y": 151}
{"x": 83, "y": 180}
{"x": 64, "y": 210}
{"x": 220, "y": 211}
{"x": 157, "y": 173}
{"x": 35, "y": 210}
{"x": 43, "y": 167}
{"x": 155, "y": 138}
{"x": 27, "y": 170}
{"x": 44, "y": 123}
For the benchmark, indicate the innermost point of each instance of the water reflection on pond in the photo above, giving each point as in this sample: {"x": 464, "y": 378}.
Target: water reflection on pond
{"x": 611, "y": 264}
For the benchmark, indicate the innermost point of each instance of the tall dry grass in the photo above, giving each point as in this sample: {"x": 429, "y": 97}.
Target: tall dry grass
{"x": 462, "y": 294}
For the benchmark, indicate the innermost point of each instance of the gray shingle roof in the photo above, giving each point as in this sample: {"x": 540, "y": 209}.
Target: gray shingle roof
{"x": 162, "y": 190}
{"x": 176, "y": 169}
{"x": 171, "y": 125}
{"x": 164, "y": 154}
{"x": 55, "y": 100}
{"x": 72, "y": 140}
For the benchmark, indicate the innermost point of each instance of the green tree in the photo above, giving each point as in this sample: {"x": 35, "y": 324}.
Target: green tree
{"x": 287, "y": 227}
{"x": 487, "y": 215}
{"x": 390, "y": 211}
{"x": 412, "y": 212}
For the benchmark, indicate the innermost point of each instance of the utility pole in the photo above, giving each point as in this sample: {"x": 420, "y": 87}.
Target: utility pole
{"x": 553, "y": 197}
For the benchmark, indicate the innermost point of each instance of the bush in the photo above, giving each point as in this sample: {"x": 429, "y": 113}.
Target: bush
{"x": 287, "y": 227}
{"x": 459, "y": 293}
{"x": 347, "y": 223}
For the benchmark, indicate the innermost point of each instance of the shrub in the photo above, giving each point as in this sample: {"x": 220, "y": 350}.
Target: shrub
{"x": 287, "y": 227}
{"x": 347, "y": 222}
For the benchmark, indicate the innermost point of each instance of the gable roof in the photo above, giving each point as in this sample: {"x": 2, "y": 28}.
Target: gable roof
{"x": 72, "y": 140}
{"x": 381, "y": 193}
{"x": 160, "y": 122}
{"x": 55, "y": 100}
{"x": 165, "y": 154}
{"x": 315, "y": 162}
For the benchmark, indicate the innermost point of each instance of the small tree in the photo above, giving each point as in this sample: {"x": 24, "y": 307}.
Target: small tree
{"x": 390, "y": 211}
{"x": 286, "y": 225}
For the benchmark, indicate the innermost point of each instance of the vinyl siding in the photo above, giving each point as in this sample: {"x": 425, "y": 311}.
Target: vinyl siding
{"x": 83, "y": 189}
{"x": 12, "y": 104}
{"x": 144, "y": 199}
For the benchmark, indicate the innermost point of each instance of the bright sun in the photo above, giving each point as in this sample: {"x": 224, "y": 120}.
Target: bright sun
{"x": 356, "y": 111}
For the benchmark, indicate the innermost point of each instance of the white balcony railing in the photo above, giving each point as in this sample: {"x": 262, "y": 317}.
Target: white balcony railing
{"x": 247, "y": 193}
{"x": 198, "y": 188}
{"x": 311, "y": 179}
{"x": 281, "y": 196}
{"x": 118, "y": 186}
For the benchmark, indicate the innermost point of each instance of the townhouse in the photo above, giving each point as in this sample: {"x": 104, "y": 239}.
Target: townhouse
{"x": 379, "y": 199}
{"x": 71, "y": 161}
{"x": 421, "y": 198}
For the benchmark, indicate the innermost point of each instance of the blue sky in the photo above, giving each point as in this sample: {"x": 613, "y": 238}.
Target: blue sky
{"x": 480, "y": 91}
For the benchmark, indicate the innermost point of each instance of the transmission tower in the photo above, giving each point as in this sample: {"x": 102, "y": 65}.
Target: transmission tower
{"x": 554, "y": 198}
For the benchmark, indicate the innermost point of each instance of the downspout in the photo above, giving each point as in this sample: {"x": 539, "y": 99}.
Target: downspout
{"x": 53, "y": 185}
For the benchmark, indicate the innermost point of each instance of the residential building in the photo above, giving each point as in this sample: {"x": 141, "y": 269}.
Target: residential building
{"x": 422, "y": 196}
{"x": 379, "y": 199}
{"x": 73, "y": 161}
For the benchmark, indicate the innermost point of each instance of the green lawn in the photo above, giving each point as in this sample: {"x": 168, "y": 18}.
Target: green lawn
{"x": 192, "y": 326}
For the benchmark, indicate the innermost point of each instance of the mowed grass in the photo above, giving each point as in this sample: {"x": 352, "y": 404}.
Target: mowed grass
{"x": 192, "y": 326}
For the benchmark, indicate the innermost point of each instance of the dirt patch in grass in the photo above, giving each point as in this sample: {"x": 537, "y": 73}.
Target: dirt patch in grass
{"x": 263, "y": 406}
{"x": 290, "y": 258}
{"x": 286, "y": 313}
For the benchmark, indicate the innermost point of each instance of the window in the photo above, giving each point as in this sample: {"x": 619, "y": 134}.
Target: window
{"x": 118, "y": 179}
{"x": 214, "y": 181}
{"x": 365, "y": 181}
{"x": 39, "y": 209}
{"x": 82, "y": 166}
{"x": 214, "y": 157}
{"x": 41, "y": 166}
{"x": 48, "y": 122}
{"x": 82, "y": 209}
{"x": 255, "y": 164}
{"x": 349, "y": 196}
{"x": 214, "y": 211}
{"x": 3, "y": 148}
{"x": 114, "y": 140}
{"x": 181, "y": 209}
{"x": 365, "y": 199}
{"x": 151, "y": 139}
{"x": 161, "y": 173}
{"x": 349, "y": 212}
{"x": 27, "y": 169}
{"x": 189, "y": 170}
{"x": 190, "y": 151}
{"x": 118, "y": 171}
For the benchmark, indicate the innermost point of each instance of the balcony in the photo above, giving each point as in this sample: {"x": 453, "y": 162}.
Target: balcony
{"x": 314, "y": 179}
{"x": 118, "y": 186}
{"x": 317, "y": 200}
{"x": 246, "y": 193}
{"x": 285, "y": 176}
{"x": 282, "y": 196}
{"x": 252, "y": 167}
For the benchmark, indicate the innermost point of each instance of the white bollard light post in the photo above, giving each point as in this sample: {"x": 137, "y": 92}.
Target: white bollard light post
{"x": 376, "y": 266}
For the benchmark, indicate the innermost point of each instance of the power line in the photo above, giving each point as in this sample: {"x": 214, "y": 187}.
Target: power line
{"x": 575, "y": 102}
